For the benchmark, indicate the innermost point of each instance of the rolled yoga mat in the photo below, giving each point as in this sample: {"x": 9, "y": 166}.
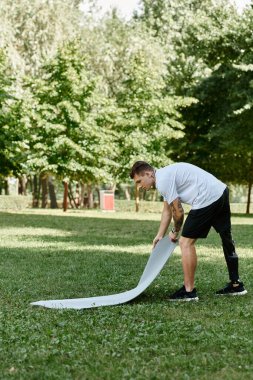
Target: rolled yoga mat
{"x": 156, "y": 262}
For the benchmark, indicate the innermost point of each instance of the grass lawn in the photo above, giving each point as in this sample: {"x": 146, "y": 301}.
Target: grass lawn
{"x": 48, "y": 255}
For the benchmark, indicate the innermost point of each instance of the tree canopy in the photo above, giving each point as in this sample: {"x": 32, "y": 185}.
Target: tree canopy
{"x": 83, "y": 100}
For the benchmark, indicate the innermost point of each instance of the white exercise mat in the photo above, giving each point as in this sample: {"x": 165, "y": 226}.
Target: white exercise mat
{"x": 156, "y": 262}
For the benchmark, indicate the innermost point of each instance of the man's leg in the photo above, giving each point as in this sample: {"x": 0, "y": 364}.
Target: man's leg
{"x": 189, "y": 261}
{"x": 235, "y": 287}
{"x": 222, "y": 224}
{"x": 230, "y": 255}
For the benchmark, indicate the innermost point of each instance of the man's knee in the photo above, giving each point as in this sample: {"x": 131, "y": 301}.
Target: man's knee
{"x": 228, "y": 244}
{"x": 186, "y": 242}
{"x": 226, "y": 235}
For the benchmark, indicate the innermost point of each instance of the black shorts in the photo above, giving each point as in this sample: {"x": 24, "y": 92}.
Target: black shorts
{"x": 217, "y": 215}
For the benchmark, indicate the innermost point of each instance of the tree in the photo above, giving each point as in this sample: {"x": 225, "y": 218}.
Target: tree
{"x": 133, "y": 67}
{"x": 147, "y": 112}
{"x": 218, "y": 129}
{"x": 33, "y": 30}
{"x": 7, "y": 165}
{"x": 169, "y": 21}
{"x": 68, "y": 128}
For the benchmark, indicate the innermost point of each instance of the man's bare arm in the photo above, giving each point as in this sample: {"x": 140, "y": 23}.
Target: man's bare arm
{"x": 165, "y": 221}
{"x": 178, "y": 215}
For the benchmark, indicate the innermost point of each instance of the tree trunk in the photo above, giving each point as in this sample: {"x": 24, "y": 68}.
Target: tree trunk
{"x": 71, "y": 197}
{"x": 137, "y": 198}
{"x": 90, "y": 197}
{"x": 154, "y": 196}
{"x": 84, "y": 198}
{"x": 30, "y": 183}
{"x": 36, "y": 191}
{"x": 127, "y": 193}
{"x": 52, "y": 195}
{"x": 98, "y": 193}
{"x": 65, "y": 196}
{"x": 78, "y": 197}
{"x": 250, "y": 184}
{"x": 248, "y": 198}
{"x": 6, "y": 187}
{"x": 22, "y": 182}
{"x": 44, "y": 184}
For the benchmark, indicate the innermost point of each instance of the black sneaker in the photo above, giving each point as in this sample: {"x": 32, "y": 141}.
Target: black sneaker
{"x": 183, "y": 295}
{"x": 232, "y": 289}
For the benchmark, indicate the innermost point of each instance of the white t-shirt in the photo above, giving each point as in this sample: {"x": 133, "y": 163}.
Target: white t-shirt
{"x": 189, "y": 183}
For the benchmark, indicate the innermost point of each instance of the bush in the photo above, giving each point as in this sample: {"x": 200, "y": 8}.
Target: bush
{"x": 145, "y": 206}
{"x": 156, "y": 207}
{"x": 14, "y": 202}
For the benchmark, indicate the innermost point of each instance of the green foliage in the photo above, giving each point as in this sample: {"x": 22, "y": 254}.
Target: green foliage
{"x": 68, "y": 121}
{"x": 218, "y": 34}
{"x": 171, "y": 22}
{"x": 218, "y": 129}
{"x": 94, "y": 104}
{"x": 33, "y": 30}
{"x": 147, "y": 112}
{"x": 106, "y": 49}
{"x": 217, "y": 133}
{"x": 133, "y": 67}
{"x": 6, "y": 164}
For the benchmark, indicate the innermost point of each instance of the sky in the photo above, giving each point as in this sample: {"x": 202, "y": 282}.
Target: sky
{"x": 126, "y": 7}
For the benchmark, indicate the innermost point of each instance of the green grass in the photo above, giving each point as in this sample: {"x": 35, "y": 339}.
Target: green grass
{"x": 48, "y": 254}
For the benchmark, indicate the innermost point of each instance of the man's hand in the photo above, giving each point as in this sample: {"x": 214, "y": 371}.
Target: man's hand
{"x": 165, "y": 221}
{"x": 156, "y": 240}
{"x": 173, "y": 236}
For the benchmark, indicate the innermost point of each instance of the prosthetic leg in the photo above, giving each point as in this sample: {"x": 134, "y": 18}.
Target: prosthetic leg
{"x": 230, "y": 255}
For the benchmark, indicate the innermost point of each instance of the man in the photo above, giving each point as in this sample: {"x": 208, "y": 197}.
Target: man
{"x": 209, "y": 198}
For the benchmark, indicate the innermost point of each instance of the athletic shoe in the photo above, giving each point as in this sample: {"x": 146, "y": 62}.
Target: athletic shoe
{"x": 232, "y": 289}
{"x": 182, "y": 295}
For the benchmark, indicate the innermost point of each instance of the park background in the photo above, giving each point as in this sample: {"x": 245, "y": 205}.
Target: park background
{"x": 83, "y": 94}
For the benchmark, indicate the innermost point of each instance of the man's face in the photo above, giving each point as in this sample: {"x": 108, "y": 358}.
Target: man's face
{"x": 145, "y": 180}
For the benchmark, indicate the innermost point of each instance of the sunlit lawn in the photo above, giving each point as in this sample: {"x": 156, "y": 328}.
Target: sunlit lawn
{"x": 48, "y": 255}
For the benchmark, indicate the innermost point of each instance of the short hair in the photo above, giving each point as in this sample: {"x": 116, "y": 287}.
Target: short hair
{"x": 139, "y": 167}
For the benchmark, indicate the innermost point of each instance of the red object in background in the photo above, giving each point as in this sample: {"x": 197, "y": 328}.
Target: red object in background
{"x": 107, "y": 200}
